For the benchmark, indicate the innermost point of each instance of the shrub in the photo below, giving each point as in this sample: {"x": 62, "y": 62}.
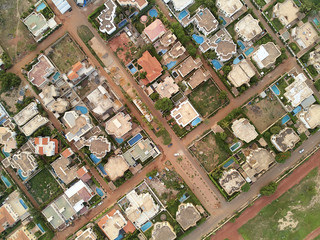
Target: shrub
{"x": 269, "y": 189}
{"x": 275, "y": 129}
{"x": 245, "y": 187}
{"x": 153, "y": 173}
{"x": 282, "y": 157}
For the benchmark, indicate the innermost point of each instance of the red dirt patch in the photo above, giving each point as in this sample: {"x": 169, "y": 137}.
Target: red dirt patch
{"x": 121, "y": 46}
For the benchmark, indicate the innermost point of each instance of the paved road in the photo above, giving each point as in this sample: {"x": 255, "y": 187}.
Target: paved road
{"x": 230, "y": 208}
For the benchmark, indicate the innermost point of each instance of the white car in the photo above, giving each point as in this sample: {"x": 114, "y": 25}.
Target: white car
{"x": 301, "y": 151}
{"x": 176, "y": 154}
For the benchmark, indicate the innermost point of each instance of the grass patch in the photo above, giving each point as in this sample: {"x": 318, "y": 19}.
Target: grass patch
{"x": 65, "y": 53}
{"x": 261, "y": 3}
{"x": 317, "y": 85}
{"x": 44, "y": 187}
{"x": 277, "y": 24}
{"x": 298, "y": 206}
{"x": 84, "y": 33}
{"x": 206, "y": 98}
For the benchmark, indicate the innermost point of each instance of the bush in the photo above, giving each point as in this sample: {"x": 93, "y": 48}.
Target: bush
{"x": 154, "y": 96}
{"x": 275, "y": 129}
{"x": 269, "y": 189}
{"x": 153, "y": 173}
{"x": 282, "y": 157}
{"x": 245, "y": 187}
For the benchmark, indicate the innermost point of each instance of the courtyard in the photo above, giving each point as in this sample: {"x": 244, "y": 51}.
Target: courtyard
{"x": 264, "y": 112}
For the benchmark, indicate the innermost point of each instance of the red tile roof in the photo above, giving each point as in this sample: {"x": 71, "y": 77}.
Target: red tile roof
{"x": 155, "y": 30}
{"x": 81, "y": 172}
{"x": 129, "y": 228}
{"x": 150, "y": 65}
{"x": 67, "y": 153}
{"x": 45, "y": 141}
{"x": 36, "y": 141}
{"x": 56, "y": 150}
{"x": 41, "y": 150}
{"x": 75, "y": 68}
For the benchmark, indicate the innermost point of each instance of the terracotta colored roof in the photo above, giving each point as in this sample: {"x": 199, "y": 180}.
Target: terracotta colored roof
{"x": 81, "y": 171}
{"x": 41, "y": 150}
{"x": 155, "y": 30}
{"x": 105, "y": 218}
{"x": 73, "y": 75}
{"x": 76, "y": 67}
{"x": 5, "y": 217}
{"x": 36, "y": 141}
{"x": 45, "y": 141}
{"x": 150, "y": 65}
{"x": 67, "y": 153}
{"x": 56, "y": 144}
{"x": 129, "y": 228}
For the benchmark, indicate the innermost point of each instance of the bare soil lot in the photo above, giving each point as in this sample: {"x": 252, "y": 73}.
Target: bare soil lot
{"x": 265, "y": 112}
{"x": 65, "y": 53}
{"x": 15, "y": 38}
{"x": 208, "y": 152}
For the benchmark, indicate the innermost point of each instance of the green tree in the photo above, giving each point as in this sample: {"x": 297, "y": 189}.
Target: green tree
{"x": 192, "y": 50}
{"x": 154, "y": 96}
{"x": 223, "y": 95}
{"x": 245, "y": 187}
{"x": 164, "y": 104}
{"x": 8, "y": 81}
{"x": 269, "y": 189}
{"x": 143, "y": 75}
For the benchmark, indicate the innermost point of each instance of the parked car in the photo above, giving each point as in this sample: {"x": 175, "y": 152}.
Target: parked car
{"x": 176, "y": 154}
{"x": 170, "y": 145}
{"x": 301, "y": 151}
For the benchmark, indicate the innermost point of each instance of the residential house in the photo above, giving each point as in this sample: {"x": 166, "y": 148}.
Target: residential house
{"x": 187, "y": 215}
{"x": 184, "y": 114}
{"x": 311, "y": 116}
{"x": 248, "y": 28}
{"x": 155, "y": 30}
{"x": 244, "y": 130}
{"x": 286, "y": 11}
{"x": 229, "y": 7}
{"x": 113, "y": 224}
{"x": 119, "y": 125}
{"x": 241, "y": 73}
{"x": 285, "y": 140}
{"x": 266, "y": 55}
{"x": 106, "y": 17}
{"x": 41, "y": 71}
{"x": 45, "y": 146}
{"x": 7, "y": 139}
{"x": 77, "y": 125}
{"x": 298, "y": 91}
{"x": 151, "y": 66}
